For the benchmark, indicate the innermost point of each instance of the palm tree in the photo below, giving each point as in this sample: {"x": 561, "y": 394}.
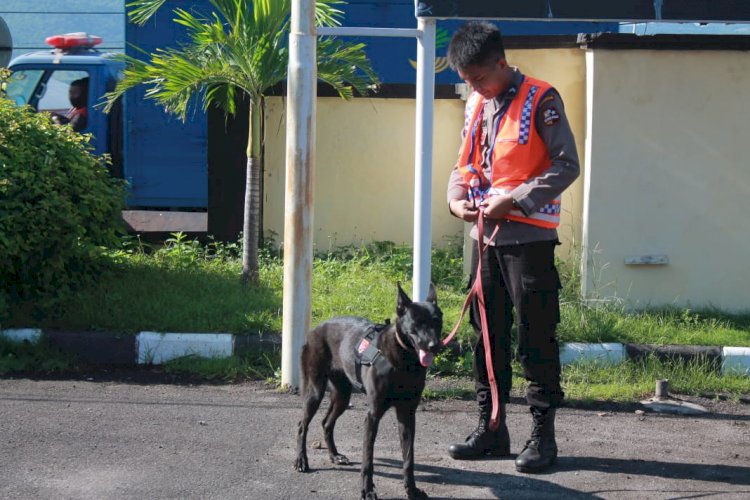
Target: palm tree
{"x": 241, "y": 48}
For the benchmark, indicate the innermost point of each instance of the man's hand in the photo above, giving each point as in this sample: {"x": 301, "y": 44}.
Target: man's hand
{"x": 58, "y": 119}
{"x": 498, "y": 206}
{"x": 464, "y": 210}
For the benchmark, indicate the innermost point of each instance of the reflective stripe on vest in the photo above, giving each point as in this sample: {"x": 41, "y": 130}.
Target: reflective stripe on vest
{"x": 518, "y": 153}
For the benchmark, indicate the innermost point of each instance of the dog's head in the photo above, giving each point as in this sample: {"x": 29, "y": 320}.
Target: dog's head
{"x": 421, "y": 323}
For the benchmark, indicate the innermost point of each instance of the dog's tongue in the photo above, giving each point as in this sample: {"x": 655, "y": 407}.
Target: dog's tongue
{"x": 425, "y": 358}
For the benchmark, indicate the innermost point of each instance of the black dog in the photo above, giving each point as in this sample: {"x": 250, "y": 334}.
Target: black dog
{"x": 388, "y": 362}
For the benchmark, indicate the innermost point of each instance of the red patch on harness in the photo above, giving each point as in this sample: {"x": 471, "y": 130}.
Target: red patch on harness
{"x": 363, "y": 346}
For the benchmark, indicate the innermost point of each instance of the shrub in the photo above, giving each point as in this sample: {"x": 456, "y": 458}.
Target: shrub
{"x": 58, "y": 204}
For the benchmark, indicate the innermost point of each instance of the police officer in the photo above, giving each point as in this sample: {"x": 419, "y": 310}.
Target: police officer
{"x": 517, "y": 156}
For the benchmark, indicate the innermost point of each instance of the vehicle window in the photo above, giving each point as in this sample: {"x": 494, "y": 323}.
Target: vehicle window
{"x": 66, "y": 98}
{"x": 21, "y": 86}
{"x": 57, "y": 94}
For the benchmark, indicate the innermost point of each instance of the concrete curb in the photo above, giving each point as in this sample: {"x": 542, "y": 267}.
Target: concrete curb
{"x": 157, "y": 348}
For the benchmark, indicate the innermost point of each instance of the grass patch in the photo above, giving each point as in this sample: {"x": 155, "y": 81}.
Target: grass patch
{"x": 608, "y": 323}
{"x": 184, "y": 286}
{"x": 24, "y": 357}
{"x": 255, "y": 366}
{"x": 635, "y": 380}
{"x": 630, "y": 381}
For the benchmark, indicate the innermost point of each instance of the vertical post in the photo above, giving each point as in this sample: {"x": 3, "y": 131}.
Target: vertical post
{"x": 423, "y": 157}
{"x": 298, "y": 204}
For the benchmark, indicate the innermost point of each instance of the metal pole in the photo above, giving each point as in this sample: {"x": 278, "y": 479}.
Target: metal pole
{"x": 423, "y": 158}
{"x": 376, "y": 32}
{"x": 298, "y": 204}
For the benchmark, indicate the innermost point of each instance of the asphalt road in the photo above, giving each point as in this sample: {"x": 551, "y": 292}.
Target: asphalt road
{"x": 124, "y": 439}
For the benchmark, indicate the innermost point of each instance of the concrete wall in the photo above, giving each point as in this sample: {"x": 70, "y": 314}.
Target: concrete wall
{"x": 667, "y": 175}
{"x": 364, "y": 184}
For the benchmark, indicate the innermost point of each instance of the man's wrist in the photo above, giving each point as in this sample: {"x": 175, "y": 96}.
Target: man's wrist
{"x": 450, "y": 208}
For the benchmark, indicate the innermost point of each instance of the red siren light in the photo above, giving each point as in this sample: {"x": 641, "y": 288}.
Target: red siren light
{"x": 73, "y": 41}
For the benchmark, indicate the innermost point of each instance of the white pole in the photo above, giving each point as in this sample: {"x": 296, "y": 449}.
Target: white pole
{"x": 376, "y": 32}
{"x": 298, "y": 204}
{"x": 423, "y": 158}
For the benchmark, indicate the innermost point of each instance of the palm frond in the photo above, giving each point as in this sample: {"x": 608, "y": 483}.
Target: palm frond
{"x": 345, "y": 65}
{"x": 240, "y": 47}
{"x": 326, "y": 13}
{"x": 140, "y": 11}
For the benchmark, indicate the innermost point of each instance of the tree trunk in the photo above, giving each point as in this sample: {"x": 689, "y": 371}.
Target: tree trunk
{"x": 251, "y": 223}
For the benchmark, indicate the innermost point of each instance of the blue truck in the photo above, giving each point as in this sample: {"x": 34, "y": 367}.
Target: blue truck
{"x": 163, "y": 160}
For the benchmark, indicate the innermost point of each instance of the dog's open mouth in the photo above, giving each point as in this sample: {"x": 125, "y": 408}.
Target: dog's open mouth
{"x": 426, "y": 358}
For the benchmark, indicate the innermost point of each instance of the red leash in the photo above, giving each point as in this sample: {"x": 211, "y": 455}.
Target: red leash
{"x": 476, "y": 289}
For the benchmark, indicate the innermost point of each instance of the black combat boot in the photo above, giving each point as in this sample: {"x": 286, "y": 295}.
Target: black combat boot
{"x": 484, "y": 442}
{"x": 540, "y": 451}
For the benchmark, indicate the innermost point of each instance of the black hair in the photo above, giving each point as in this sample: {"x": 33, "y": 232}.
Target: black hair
{"x": 81, "y": 82}
{"x": 476, "y": 43}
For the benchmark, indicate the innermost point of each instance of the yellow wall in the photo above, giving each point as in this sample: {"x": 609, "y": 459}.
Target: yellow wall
{"x": 364, "y": 176}
{"x": 364, "y": 173}
{"x": 668, "y": 175}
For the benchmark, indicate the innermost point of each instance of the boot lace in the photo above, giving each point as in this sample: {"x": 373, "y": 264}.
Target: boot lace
{"x": 481, "y": 426}
{"x": 536, "y": 431}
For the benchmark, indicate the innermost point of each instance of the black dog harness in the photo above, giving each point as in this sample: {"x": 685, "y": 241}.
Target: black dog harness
{"x": 369, "y": 355}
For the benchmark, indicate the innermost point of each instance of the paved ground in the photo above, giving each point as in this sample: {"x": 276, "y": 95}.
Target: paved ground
{"x": 122, "y": 439}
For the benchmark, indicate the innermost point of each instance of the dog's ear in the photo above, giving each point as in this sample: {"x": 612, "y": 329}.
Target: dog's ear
{"x": 432, "y": 295}
{"x": 403, "y": 301}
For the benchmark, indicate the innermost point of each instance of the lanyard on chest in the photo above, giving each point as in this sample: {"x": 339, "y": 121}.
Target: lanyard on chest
{"x": 479, "y": 191}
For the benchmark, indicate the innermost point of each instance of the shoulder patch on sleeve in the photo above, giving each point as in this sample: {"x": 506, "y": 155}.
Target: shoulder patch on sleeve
{"x": 549, "y": 96}
{"x": 551, "y": 116}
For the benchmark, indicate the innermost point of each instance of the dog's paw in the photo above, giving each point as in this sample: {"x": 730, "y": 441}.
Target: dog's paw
{"x": 340, "y": 460}
{"x": 416, "y": 494}
{"x": 369, "y": 495}
{"x": 301, "y": 464}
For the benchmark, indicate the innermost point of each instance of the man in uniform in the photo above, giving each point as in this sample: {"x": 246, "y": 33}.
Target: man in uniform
{"x": 518, "y": 155}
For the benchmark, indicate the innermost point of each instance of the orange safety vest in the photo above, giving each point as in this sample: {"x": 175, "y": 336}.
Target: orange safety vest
{"x": 518, "y": 154}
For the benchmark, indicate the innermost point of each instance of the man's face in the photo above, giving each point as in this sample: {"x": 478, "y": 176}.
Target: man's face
{"x": 489, "y": 80}
{"x": 76, "y": 96}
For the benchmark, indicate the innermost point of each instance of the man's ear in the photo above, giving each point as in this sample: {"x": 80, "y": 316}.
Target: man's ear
{"x": 402, "y": 302}
{"x": 432, "y": 295}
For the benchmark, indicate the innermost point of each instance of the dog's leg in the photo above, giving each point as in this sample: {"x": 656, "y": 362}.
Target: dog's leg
{"x": 341, "y": 392}
{"x": 313, "y": 389}
{"x": 371, "y": 431}
{"x": 406, "y": 416}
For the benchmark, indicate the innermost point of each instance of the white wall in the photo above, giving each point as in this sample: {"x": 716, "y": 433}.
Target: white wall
{"x": 667, "y": 173}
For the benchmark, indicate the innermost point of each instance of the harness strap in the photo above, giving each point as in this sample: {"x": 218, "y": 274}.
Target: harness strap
{"x": 368, "y": 354}
{"x": 478, "y": 291}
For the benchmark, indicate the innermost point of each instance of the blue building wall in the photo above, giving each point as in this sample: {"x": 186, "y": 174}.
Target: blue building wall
{"x": 394, "y": 59}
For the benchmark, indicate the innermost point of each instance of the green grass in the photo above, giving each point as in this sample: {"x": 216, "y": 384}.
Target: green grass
{"x": 255, "y": 366}
{"x": 187, "y": 287}
{"x": 21, "y": 357}
{"x": 184, "y": 286}
{"x": 635, "y": 380}
{"x": 630, "y": 381}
